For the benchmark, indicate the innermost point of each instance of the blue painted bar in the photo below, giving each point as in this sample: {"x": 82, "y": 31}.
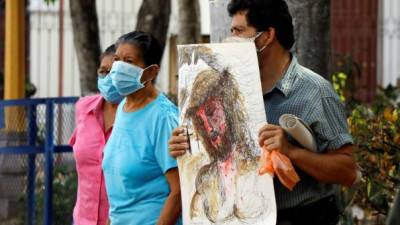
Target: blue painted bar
{"x": 62, "y": 149}
{"x": 49, "y": 150}
{"x": 32, "y": 135}
{"x": 21, "y": 150}
{"x": 2, "y": 121}
{"x": 31, "y": 189}
{"x": 38, "y": 101}
{"x": 33, "y": 150}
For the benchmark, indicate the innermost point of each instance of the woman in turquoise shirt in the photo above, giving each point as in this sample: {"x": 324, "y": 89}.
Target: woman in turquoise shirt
{"x": 141, "y": 177}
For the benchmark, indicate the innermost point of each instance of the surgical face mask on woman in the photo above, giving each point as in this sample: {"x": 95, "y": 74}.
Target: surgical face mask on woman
{"x": 107, "y": 90}
{"x": 126, "y": 77}
{"x": 246, "y": 39}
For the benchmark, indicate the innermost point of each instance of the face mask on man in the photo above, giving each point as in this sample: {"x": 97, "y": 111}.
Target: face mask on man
{"x": 107, "y": 90}
{"x": 246, "y": 39}
{"x": 126, "y": 77}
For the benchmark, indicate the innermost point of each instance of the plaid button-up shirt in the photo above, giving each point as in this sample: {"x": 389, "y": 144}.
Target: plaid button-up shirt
{"x": 309, "y": 96}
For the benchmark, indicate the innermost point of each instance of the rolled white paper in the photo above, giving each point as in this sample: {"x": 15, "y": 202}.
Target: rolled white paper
{"x": 300, "y": 131}
{"x": 303, "y": 134}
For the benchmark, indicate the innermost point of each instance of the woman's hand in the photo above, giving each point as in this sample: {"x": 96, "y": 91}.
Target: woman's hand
{"x": 178, "y": 143}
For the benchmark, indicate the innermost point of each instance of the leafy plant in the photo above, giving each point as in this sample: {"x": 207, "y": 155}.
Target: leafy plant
{"x": 50, "y": 1}
{"x": 376, "y": 133}
{"x": 64, "y": 196}
{"x": 348, "y": 73}
{"x": 339, "y": 84}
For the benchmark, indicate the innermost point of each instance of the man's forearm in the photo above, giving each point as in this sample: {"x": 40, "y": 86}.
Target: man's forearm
{"x": 332, "y": 167}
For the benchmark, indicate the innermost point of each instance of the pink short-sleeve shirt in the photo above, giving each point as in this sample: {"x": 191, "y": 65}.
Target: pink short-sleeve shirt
{"x": 88, "y": 141}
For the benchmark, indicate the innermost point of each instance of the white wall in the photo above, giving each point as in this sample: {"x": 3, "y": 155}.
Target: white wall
{"x": 389, "y": 42}
{"x": 115, "y": 18}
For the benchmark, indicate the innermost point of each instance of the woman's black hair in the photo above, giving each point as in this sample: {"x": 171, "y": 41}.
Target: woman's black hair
{"x": 149, "y": 46}
{"x": 263, "y": 14}
{"x": 110, "y": 51}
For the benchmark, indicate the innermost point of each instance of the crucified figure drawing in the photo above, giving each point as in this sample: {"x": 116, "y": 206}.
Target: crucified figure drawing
{"x": 225, "y": 186}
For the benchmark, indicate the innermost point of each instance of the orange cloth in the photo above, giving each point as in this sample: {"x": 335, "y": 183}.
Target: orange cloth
{"x": 273, "y": 162}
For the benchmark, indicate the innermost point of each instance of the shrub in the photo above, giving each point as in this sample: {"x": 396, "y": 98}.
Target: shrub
{"x": 376, "y": 132}
{"x": 64, "y": 196}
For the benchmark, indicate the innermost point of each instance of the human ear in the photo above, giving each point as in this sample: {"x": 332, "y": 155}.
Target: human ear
{"x": 269, "y": 35}
{"x": 150, "y": 73}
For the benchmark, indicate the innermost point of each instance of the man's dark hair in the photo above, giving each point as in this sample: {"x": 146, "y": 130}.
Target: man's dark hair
{"x": 150, "y": 48}
{"x": 110, "y": 51}
{"x": 263, "y": 14}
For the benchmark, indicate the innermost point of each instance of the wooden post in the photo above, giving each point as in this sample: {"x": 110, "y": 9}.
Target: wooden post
{"x": 14, "y": 50}
{"x": 14, "y": 72}
{"x": 11, "y": 167}
{"x": 220, "y": 20}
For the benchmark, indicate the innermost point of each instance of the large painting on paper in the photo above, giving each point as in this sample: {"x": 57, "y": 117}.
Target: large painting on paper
{"x": 222, "y": 108}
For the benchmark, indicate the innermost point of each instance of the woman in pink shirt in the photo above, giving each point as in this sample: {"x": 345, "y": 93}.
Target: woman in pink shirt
{"x": 94, "y": 121}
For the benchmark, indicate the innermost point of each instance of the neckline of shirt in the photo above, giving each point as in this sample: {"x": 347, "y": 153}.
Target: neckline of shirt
{"x": 141, "y": 109}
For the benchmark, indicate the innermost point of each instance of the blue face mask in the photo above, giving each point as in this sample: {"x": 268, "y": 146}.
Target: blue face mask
{"x": 107, "y": 90}
{"x": 126, "y": 77}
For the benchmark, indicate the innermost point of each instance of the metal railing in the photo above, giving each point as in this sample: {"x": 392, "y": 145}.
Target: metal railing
{"x": 42, "y": 129}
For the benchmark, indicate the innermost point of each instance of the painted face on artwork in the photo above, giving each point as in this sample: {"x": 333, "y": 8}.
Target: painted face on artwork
{"x": 213, "y": 119}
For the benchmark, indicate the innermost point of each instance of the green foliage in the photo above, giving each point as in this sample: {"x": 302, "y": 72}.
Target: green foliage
{"x": 376, "y": 132}
{"x": 30, "y": 89}
{"x": 339, "y": 84}
{"x": 347, "y": 75}
{"x": 64, "y": 196}
{"x": 50, "y": 1}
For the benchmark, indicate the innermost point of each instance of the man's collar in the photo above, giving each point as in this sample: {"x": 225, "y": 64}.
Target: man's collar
{"x": 284, "y": 85}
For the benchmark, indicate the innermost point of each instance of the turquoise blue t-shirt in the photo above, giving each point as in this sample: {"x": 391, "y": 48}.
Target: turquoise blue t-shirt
{"x": 135, "y": 159}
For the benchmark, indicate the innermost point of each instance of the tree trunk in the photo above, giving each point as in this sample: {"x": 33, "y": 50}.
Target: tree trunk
{"x": 221, "y": 21}
{"x": 86, "y": 41}
{"x": 153, "y": 17}
{"x": 312, "y": 33}
{"x": 189, "y": 22}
